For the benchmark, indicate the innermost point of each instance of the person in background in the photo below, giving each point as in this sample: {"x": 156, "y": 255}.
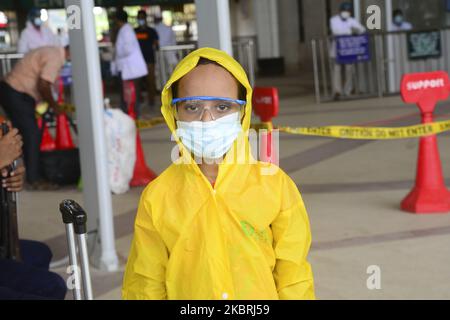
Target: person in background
{"x": 148, "y": 40}
{"x": 343, "y": 24}
{"x": 30, "y": 278}
{"x": 36, "y": 34}
{"x": 398, "y": 22}
{"x": 29, "y": 82}
{"x": 63, "y": 37}
{"x": 166, "y": 38}
{"x": 128, "y": 62}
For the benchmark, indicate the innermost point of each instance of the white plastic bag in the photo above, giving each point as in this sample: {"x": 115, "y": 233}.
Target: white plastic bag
{"x": 120, "y": 130}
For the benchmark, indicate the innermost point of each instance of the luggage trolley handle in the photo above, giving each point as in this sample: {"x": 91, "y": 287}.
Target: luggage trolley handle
{"x": 74, "y": 217}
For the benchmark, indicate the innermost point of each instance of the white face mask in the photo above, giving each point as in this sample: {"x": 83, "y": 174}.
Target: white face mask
{"x": 37, "y": 22}
{"x": 142, "y": 22}
{"x": 345, "y": 15}
{"x": 398, "y": 20}
{"x": 212, "y": 139}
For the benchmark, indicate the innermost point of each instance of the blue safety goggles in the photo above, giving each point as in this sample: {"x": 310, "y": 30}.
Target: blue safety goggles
{"x": 208, "y": 98}
{"x": 193, "y": 108}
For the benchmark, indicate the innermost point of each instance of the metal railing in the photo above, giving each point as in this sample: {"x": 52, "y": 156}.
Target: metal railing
{"x": 7, "y": 61}
{"x": 166, "y": 60}
{"x": 366, "y": 77}
{"x": 381, "y": 75}
{"x": 244, "y": 51}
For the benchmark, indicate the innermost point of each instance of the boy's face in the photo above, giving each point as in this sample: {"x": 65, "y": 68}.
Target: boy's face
{"x": 206, "y": 80}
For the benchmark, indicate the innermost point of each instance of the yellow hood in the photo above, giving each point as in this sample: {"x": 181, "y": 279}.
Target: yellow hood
{"x": 184, "y": 67}
{"x": 189, "y": 63}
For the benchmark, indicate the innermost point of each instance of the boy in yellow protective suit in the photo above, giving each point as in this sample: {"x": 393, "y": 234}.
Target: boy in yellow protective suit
{"x": 224, "y": 227}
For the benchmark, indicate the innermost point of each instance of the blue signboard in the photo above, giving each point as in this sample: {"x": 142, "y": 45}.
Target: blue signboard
{"x": 66, "y": 74}
{"x": 352, "y": 49}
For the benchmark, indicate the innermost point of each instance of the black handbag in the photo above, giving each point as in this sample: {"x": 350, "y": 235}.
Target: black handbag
{"x": 61, "y": 167}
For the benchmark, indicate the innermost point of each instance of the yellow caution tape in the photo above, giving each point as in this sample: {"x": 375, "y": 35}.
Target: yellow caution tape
{"x": 146, "y": 124}
{"x": 342, "y": 132}
{"x": 42, "y": 108}
{"x": 365, "y": 133}
{"x": 66, "y": 107}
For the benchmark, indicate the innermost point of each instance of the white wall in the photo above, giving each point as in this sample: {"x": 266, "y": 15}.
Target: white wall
{"x": 254, "y": 17}
{"x": 267, "y": 28}
{"x": 315, "y": 23}
{"x": 213, "y": 20}
{"x": 242, "y": 18}
{"x": 289, "y": 31}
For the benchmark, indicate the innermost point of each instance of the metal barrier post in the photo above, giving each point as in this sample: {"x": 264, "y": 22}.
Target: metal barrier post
{"x": 322, "y": 63}
{"x": 2, "y": 58}
{"x": 251, "y": 66}
{"x": 316, "y": 71}
{"x": 378, "y": 66}
{"x": 162, "y": 68}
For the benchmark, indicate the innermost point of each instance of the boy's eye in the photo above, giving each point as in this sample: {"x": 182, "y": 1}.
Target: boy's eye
{"x": 222, "y": 107}
{"x": 191, "y": 107}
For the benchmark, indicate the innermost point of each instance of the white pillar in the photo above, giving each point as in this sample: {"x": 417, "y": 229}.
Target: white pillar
{"x": 267, "y": 28}
{"x": 87, "y": 88}
{"x": 357, "y": 9}
{"x": 213, "y": 19}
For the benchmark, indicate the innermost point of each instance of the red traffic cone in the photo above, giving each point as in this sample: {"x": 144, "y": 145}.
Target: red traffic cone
{"x": 429, "y": 194}
{"x": 47, "y": 142}
{"x": 63, "y": 136}
{"x": 142, "y": 174}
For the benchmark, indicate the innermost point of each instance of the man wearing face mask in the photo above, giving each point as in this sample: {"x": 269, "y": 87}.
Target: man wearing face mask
{"x": 216, "y": 225}
{"x": 36, "y": 35}
{"x": 128, "y": 59}
{"x": 343, "y": 24}
{"x": 148, "y": 40}
{"x": 399, "y": 23}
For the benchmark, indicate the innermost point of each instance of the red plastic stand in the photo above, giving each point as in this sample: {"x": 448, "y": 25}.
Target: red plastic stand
{"x": 266, "y": 106}
{"x": 429, "y": 194}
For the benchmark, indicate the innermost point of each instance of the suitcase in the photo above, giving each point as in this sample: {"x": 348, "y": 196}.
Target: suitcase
{"x": 74, "y": 218}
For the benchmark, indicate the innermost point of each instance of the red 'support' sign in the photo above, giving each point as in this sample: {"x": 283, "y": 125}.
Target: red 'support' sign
{"x": 425, "y": 89}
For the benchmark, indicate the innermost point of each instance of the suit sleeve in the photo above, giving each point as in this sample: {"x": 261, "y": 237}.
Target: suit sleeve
{"x": 127, "y": 44}
{"x": 292, "y": 239}
{"x": 144, "y": 277}
{"x": 334, "y": 28}
{"x": 358, "y": 26}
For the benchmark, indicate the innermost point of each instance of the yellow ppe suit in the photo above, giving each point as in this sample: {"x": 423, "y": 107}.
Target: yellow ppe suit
{"x": 246, "y": 237}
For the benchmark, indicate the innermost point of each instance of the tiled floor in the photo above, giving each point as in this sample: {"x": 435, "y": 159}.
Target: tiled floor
{"x": 352, "y": 191}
